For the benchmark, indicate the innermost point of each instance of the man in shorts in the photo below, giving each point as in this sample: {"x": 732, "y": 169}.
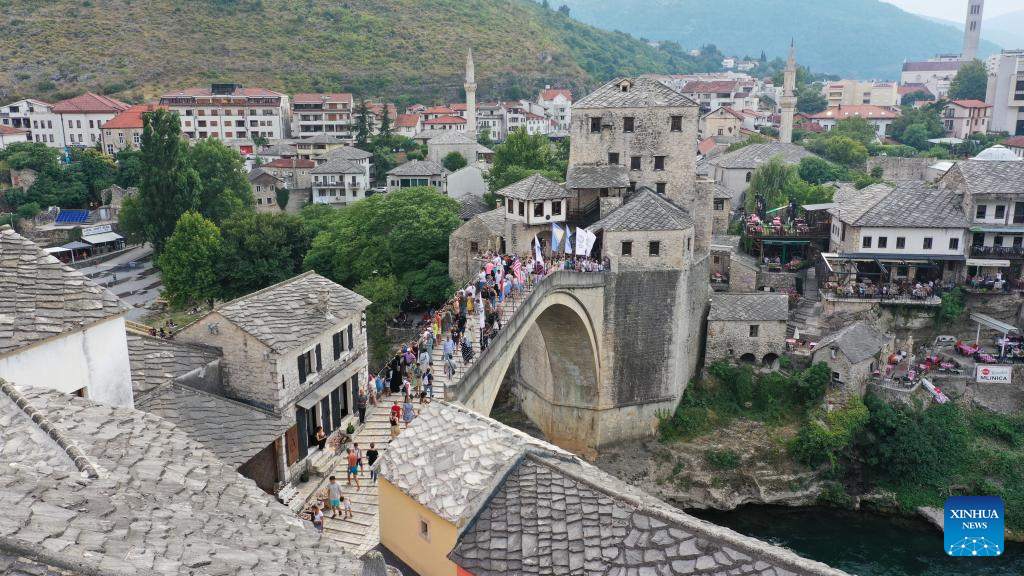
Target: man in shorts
{"x": 353, "y": 468}
{"x": 333, "y": 496}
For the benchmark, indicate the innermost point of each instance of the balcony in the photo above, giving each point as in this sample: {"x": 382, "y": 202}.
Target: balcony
{"x": 799, "y": 231}
{"x": 997, "y": 251}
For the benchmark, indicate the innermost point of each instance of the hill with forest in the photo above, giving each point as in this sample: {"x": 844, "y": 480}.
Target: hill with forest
{"x": 402, "y": 50}
{"x": 852, "y": 38}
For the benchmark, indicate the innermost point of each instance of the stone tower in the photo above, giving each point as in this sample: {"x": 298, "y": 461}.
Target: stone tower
{"x": 972, "y": 29}
{"x": 470, "y": 95}
{"x": 788, "y": 98}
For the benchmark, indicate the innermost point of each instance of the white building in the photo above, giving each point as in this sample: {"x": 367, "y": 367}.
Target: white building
{"x": 314, "y": 114}
{"x": 879, "y": 118}
{"x": 418, "y": 173}
{"x": 20, "y": 115}
{"x": 713, "y": 94}
{"x": 961, "y": 118}
{"x": 58, "y": 329}
{"x": 859, "y": 92}
{"x": 77, "y": 121}
{"x": 557, "y": 104}
{"x": 10, "y": 136}
{"x": 339, "y": 182}
{"x": 228, "y": 111}
{"x": 936, "y": 74}
{"x": 408, "y": 125}
{"x": 1006, "y": 92}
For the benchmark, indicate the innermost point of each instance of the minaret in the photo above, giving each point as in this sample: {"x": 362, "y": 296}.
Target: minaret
{"x": 788, "y": 98}
{"x": 972, "y": 29}
{"x": 470, "y": 95}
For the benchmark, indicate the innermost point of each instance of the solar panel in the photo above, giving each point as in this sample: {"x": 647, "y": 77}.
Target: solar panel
{"x": 72, "y": 216}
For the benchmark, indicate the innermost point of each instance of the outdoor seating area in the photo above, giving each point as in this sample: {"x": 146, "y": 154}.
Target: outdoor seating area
{"x": 902, "y": 291}
{"x": 776, "y": 226}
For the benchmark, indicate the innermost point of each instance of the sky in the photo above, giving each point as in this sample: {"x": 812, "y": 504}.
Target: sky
{"x": 955, "y": 10}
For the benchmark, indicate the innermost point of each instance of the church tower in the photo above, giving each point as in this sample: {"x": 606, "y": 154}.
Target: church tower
{"x": 788, "y": 98}
{"x": 972, "y": 29}
{"x": 470, "y": 96}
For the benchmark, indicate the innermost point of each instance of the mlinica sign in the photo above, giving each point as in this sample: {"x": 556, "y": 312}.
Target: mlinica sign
{"x": 991, "y": 374}
{"x": 973, "y": 526}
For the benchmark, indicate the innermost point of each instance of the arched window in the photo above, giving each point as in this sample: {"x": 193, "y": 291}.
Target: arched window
{"x": 749, "y": 176}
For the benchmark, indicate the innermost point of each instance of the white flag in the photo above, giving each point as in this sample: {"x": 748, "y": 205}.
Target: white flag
{"x": 582, "y": 238}
{"x": 536, "y": 250}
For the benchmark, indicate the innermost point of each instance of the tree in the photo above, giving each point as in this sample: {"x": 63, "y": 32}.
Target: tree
{"x": 384, "y": 133}
{"x": 129, "y": 221}
{"x": 168, "y": 185}
{"x": 909, "y": 99}
{"x": 454, "y": 161}
{"x": 258, "y": 250}
{"x": 928, "y": 116}
{"x": 429, "y": 284}
{"x": 31, "y": 155}
{"x": 387, "y": 296}
{"x": 189, "y": 261}
{"x": 94, "y": 169}
{"x": 129, "y": 168}
{"x": 260, "y": 141}
{"x": 364, "y": 124}
{"x": 522, "y": 155}
{"x": 770, "y": 181}
{"x": 846, "y": 151}
{"x": 563, "y": 10}
{"x": 857, "y": 128}
{"x": 810, "y": 100}
{"x": 970, "y": 82}
{"x": 282, "y": 195}
{"x": 916, "y": 135}
{"x": 224, "y": 186}
{"x": 484, "y": 138}
{"x": 818, "y": 170}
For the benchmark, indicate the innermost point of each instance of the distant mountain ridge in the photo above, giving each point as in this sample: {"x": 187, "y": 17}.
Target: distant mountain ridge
{"x": 1007, "y": 30}
{"x": 411, "y": 49}
{"x": 852, "y": 38}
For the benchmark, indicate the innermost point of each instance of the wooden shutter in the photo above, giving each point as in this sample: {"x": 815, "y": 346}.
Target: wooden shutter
{"x": 349, "y": 336}
{"x": 319, "y": 364}
{"x": 325, "y": 414}
{"x": 302, "y": 368}
{"x": 336, "y": 341}
{"x": 303, "y": 431}
{"x": 291, "y": 440}
{"x": 336, "y": 407}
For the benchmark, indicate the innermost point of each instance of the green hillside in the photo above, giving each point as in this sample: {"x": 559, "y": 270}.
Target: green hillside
{"x": 402, "y": 49}
{"x": 852, "y": 38}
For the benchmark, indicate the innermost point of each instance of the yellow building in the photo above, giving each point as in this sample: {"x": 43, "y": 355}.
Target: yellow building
{"x": 723, "y": 121}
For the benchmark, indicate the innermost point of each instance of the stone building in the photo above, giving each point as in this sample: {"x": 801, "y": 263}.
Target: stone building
{"x": 736, "y": 169}
{"x": 721, "y": 206}
{"x": 112, "y": 490}
{"x": 732, "y": 269}
{"x": 124, "y": 131}
{"x": 338, "y": 182}
{"x": 647, "y": 233}
{"x": 532, "y": 205}
{"x": 747, "y": 327}
{"x": 297, "y": 350}
{"x": 492, "y": 501}
{"x": 854, "y": 354}
{"x": 418, "y": 173}
{"x": 295, "y": 172}
{"x": 722, "y": 121}
{"x": 461, "y": 143}
{"x": 58, "y": 328}
{"x": 644, "y": 125}
{"x": 483, "y": 232}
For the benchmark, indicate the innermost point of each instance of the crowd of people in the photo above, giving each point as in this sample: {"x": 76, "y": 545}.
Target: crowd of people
{"x": 897, "y": 290}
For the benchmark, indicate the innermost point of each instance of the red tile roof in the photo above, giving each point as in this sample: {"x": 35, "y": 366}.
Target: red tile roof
{"x": 89, "y": 103}
{"x": 209, "y": 92}
{"x": 339, "y": 97}
{"x": 970, "y": 104}
{"x": 130, "y": 118}
{"x": 911, "y": 87}
{"x": 709, "y": 87}
{"x": 1015, "y": 142}
{"x": 289, "y": 163}
{"x": 532, "y": 116}
{"x": 458, "y": 107}
{"x": 441, "y": 110}
{"x": 728, "y": 110}
{"x": 705, "y": 146}
{"x": 11, "y": 130}
{"x": 864, "y": 111}
{"x": 407, "y": 121}
{"x": 948, "y": 66}
{"x": 446, "y": 120}
{"x": 377, "y": 109}
{"x": 812, "y": 127}
{"x": 552, "y": 93}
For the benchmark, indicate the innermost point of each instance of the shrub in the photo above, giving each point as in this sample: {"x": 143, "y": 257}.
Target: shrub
{"x": 722, "y": 459}
{"x": 824, "y": 436}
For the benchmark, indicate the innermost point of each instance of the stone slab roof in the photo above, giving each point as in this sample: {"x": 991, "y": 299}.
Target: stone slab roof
{"x": 136, "y": 495}
{"x": 858, "y": 341}
{"x": 983, "y": 177}
{"x": 535, "y": 187}
{"x": 338, "y": 165}
{"x": 349, "y": 153}
{"x": 41, "y": 298}
{"x": 752, "y": 156}
{"x": 155, "y": 361}
{"x": 716, "y": 189}
{"x": 470, "y": 206}
{"x": 417, "y": 168}
{"x": 429, "y": 134}
{"x": 553, "y": 517}
{"x": 285, "y": 316}
{"x": 233, "y": 431}
{"x": 762, "y": 306}
{"x": 494, "y": 220}
{"x": 451, "y": 137}
{"x": 322, "y": 138}
{"x": 730, "y": 240}
{"x": 914, "y": 205}
{"x": 642, "y": 92}
{"x": 647, "y": 211}
{"x": 851, "y": 203}
{"x": 588, "y": 176}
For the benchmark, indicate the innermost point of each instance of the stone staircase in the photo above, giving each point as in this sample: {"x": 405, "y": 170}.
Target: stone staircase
{"x": 807, "y": 316}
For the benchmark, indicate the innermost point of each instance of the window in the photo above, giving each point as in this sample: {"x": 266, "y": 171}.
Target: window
{"x": 883, "y": 242}
{"x": 997, "y": 241}
{"x": 754, "y": 329}
{"x": 522, "y": 208}
{"x": 78, "y": 123}
{"x": 676, "y": 124}
{"x": 927, "y": 244}
{"x": 653, "y": 248}
{"x": 866, "y": 242}
{"x": 749, "y": 176}
{"x": 425, "y": 529}
{"x": 954, "y": 243}
{"x": 634, "y": 162}
{"x": 538, "y": 209}
{"x": 305, "y": 363}
{"x": 474, "y": 247}
{"x": 659, "y": 162}
{"x": 1000, "y": 212}
{"x": 595, "y": 125}
{"x": 1018, "y": 213}
{"x": 613, "y": 158}
{"x": 719, "y": 203}
{"x": 627, "y": 248}
{"x": 627, "y": 124}
{"x": 508, "y": 204}
{"x": 110, "y": 148}
{"x": 980, "y": 212}
{"x": 901, "y": 242}
{"x": 660, "y": 188}
{"x": 338, "y": 343}
{"x": 556, "y": 207}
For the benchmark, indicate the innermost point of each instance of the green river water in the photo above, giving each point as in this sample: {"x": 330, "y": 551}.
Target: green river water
{"x": 862, "y": 544}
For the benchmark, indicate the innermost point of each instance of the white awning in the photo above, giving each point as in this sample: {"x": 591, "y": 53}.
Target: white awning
{"x": 988, "y": 263}
{"x": 102, "y": 238}
{"x": 56, "y": 249}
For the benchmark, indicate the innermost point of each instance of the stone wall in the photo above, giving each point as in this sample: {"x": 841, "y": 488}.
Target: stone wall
{"x": 777, "y": 281}
{"x": 461, "y": 264}
{"x": 742, "y": 278}
{"x": 732, "y": 339}
{"x": 900, "y": 168}
{"x": 675, "y": 249}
